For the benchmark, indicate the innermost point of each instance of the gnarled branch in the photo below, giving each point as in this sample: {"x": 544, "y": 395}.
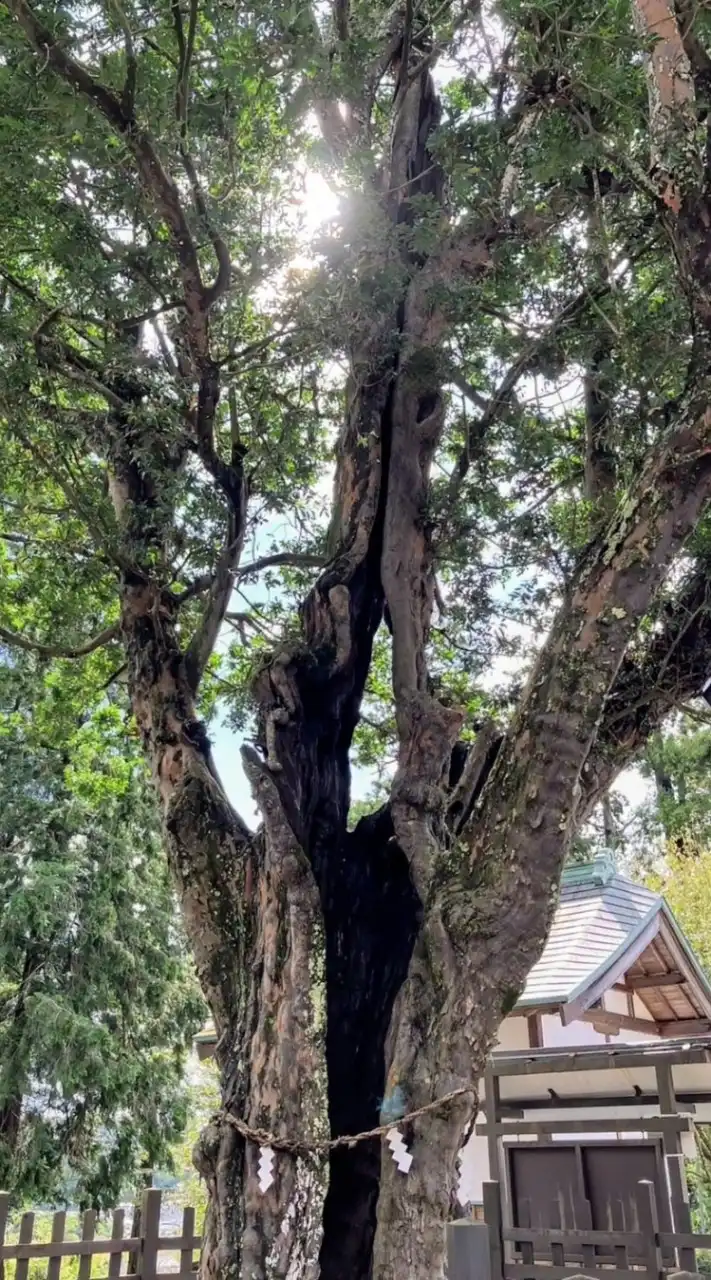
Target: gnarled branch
{"x": 82, "y": 650}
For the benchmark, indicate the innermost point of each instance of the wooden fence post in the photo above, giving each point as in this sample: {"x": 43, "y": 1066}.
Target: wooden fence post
{"x": 675, "y": 1166}
{"x": 4, "y": 1210}
{"x": 54, "y": 1266}
{"x": 27, "y": 1226}
{"x": 88, "y": 1231}
{"x": 117, "y": 1223}
{"x": 150, "y": 1231}
{"x": 143, "y": 1248}
{"x": 492, "y": 1218}
{"x": 583, "y": 1219}
{"x": 186, "y": 1253}
{"x": 133, "y": 1261}
{"x": 649, "y": 1227}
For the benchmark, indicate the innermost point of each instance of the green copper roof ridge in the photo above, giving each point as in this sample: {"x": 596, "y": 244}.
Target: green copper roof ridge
{"x": 600, "y": 870}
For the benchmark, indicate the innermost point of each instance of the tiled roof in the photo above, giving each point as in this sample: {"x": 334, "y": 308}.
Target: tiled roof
{"x": 599, "y": 914}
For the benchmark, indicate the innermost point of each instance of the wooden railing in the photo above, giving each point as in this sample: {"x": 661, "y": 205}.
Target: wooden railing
{"x": 142, "y": 1247}
{"x": 536, "y": 1253}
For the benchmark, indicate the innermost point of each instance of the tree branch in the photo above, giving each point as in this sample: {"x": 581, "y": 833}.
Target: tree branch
{"x": 177, "y": 16}
{"x": 57, "y": 651}
{"x": 533, "y": 800}
{"x": 477, "y": 767}
{"x": 198, "y": 652}
{"x": 341, "y": 18}
{"x": 292, "y": 558}
{"x": 186, "y": 50}
{"x": 470, "y": 9}
{"x": 154, "y": 177}
{"x": 128, "y": 95}
{"x": 687, "y": 11}
{"x": 652, "y": 682}
{"x": 231, "y": 479}
{"x": 572, "y": 310}
{"x": 458, "y": 380}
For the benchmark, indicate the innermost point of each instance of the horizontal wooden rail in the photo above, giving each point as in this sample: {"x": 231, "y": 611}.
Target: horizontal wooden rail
{"x": 572, "y": 1237}
{"x": 80, "y": 1248}
{"x": 543, "y": 1271}
{"x": 142, "y": 1248}
{"x": 629, "y": 1124}
{"x": 684, "y": 1240}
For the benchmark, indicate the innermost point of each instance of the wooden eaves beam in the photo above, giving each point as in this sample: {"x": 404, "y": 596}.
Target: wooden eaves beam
{"x": 622, "y": 1021}
{"x": 643, "y": 981}
{"x": 604, "y": 1018}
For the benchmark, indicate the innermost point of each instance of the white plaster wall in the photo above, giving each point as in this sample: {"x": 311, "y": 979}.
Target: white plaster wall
{"x": 473, "y": 1170}
{"x": 557, "y": 1036}
{"x": 513, "y": 1034}
{"x": 616, "y": 1002}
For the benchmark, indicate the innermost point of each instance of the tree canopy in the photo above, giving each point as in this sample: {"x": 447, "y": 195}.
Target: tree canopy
{"x": 424, "y": 489}
{"x": 97, "y": 1000}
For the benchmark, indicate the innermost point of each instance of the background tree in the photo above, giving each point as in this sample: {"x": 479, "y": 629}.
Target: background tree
{"x": 97, "y": 1001}
{"x": 503, "y": 343}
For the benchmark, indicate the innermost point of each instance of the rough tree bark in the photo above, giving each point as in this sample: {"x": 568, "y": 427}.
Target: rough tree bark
{"x": 352, "y": 971}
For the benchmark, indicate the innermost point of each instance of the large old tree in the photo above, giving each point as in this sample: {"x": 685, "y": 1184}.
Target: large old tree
{"x": 502, "y": 346}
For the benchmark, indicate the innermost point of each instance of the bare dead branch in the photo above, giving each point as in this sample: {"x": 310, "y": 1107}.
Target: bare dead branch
{"x": 478, "y": 765}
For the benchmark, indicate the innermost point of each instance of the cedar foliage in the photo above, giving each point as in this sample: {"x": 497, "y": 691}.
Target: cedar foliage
{"x": 97, "y": 1000}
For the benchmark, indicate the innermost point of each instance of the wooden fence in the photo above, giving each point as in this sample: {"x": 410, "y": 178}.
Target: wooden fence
{"x": 535, "y": 1253}
{"x": 552, "y": 1253}
{"x": 142, "y": 1247}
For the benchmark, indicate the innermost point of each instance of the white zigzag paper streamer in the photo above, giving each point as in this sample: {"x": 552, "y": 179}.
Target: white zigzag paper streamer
{"x": 401, "y": 1155}
{"x": 266, "y": 1168}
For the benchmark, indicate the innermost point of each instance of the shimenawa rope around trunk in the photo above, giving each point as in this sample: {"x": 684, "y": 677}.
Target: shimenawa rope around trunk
{"x": 316, "y": 1146}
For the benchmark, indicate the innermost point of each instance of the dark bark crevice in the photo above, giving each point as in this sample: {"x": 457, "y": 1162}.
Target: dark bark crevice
{"x": 372, "y": 916}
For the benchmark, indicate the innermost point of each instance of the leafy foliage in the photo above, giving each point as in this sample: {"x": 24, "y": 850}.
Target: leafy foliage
{"x": 97, "y": 1000}
{"x": 81, "y": 247}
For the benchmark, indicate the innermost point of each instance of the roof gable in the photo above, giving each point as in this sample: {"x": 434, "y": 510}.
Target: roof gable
{"x": 603, "y": 926}
{"x": 599, "y": 913}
